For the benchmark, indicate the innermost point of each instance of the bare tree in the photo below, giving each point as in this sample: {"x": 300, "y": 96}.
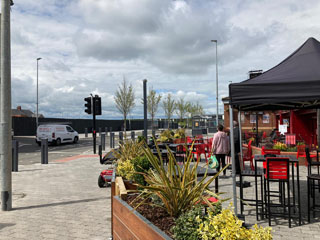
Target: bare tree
{"x": 124, "y": 100}
{"x": 194, "y": 109}
{"x": 153, "y": 103}
{"x": 181, "y": 109}
{"x": 169, "y": 106}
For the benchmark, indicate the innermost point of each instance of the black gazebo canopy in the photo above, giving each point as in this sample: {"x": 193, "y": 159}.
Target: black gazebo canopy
{"x": 294, "y": 83}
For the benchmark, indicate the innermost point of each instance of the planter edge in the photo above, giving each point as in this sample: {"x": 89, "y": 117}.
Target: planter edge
{"x": 150, "y": 224}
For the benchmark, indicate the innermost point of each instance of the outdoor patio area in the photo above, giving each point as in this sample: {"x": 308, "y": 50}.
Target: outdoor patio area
{"x": 279, "y": 225}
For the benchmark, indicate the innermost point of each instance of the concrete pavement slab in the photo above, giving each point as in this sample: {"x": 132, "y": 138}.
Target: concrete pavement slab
{"x": 60, "y": 200}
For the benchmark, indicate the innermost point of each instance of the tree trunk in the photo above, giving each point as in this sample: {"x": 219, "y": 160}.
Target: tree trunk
{"x": 125, "y": 127}
{"x": 151, "y": 122}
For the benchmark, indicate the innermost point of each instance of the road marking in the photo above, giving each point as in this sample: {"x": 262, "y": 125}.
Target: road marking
{"x": 75, "y": 158}
{"x": 64, "y": 152}
{"x": 21, "y": 145}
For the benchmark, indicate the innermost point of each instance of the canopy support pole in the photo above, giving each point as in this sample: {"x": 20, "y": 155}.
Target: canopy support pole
{"x": 233, "y": 162}
{"x": 257, "y": 133}
{"x": 240, "y": 135}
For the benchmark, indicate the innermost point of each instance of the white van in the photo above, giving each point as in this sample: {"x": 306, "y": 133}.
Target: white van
{"x": 57, "y": 134}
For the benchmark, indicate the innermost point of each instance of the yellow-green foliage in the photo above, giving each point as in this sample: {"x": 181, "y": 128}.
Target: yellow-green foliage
{"x": 227, "y": 226}
{"x": 127, "y": 151}
{"x": 280, "y": 146}
{"x": 125, "y": 169}
{"x": 180, "y": 133}
{"x": 166, "y": 136}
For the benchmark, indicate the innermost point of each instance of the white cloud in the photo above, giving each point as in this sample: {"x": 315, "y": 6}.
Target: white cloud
{"x": 87, "y": 46}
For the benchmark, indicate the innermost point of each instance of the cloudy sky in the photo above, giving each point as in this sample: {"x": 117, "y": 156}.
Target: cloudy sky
{"x": 89, "y": 46}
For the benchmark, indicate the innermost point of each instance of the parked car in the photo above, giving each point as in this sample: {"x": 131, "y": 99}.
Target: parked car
{"x": 57, "y": 134}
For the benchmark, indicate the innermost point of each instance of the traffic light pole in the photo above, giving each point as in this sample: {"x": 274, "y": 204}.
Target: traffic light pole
{"x": 93, "y": 106}
{"x": 94, "y": 123}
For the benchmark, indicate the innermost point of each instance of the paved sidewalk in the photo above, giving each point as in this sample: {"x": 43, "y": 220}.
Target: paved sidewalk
{"x": 279, "y": 225}
{"x": 60, "y": 200}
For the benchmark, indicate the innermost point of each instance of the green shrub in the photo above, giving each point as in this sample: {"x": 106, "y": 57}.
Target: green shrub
{"x": 177, "y": 186}
{"x": 180, "y": 133}
{"x": 127, "y": 151}
{"x": 291, "y": 149}
{"x": 280, "y": 146}
{"x": 125, "y": 169}
{"x": 227, "y": 226}
{"x": 166, "y": 136}
{"x": 186, "y": 227}
{"x": 140, "y": 165}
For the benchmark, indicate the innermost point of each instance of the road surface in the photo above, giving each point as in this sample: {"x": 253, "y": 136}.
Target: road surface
{"x": 30, "y": 152}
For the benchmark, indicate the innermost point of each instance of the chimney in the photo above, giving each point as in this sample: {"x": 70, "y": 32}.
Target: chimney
{"x": 254, "y": 73}
{"x": 19, "y": 108}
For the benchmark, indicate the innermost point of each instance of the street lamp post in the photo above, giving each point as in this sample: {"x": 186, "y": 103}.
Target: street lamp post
{"x": 37, "y": 91}
{"x": 217, "y": 115}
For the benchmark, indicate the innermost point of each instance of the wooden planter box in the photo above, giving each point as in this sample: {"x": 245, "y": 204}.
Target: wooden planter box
{"x": 128, "y": 223}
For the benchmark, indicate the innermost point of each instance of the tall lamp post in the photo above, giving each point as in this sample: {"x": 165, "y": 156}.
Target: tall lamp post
{"x": 217, "y": 115}
{"x": 37, "y": 91}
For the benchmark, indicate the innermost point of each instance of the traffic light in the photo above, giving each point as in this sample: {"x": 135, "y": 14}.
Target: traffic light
{"x": 88, "y": 105}
{"x": 97, "y": 105}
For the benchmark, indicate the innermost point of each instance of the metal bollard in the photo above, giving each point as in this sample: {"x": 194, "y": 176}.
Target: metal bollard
{"x": 133, "y": 135}
{"x": 106, "y": 131}
{"x": 44, "y": 151}
{"x": 86, "y": 132}
{"x": 99, "y": 131}
{"x": 113, "y": 141}
{"x": 15, "y": 155}
{"x": 110, "y": 139}
{"x": 120, "y": 137}
{"x": 103, "y": 141}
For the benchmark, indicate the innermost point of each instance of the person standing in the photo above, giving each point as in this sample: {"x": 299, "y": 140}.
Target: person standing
{"x": 221, "y": 147}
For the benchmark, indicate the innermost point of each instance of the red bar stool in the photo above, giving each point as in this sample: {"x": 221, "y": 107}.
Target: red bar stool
{"x": 278, "y": 171}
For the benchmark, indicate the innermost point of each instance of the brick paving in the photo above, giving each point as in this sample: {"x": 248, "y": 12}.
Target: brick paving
{"x": 60, "y": 200}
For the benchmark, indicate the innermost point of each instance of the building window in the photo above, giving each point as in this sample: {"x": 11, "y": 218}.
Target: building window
{"x": 252, "y": 118}
{"x": 266, "y": 118}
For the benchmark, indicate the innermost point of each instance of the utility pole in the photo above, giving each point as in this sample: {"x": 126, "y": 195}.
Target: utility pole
{"x": 217, "y": 91}
{"x": 37, "y": 120}
{"x": 5, "y": 106}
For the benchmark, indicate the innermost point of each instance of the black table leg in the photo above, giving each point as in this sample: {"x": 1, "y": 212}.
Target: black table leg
{"x": 299, "y": 203}
{"x": 293, "y": 189}
{"x": 216, "y": 187}
{"x": 256, "y": 188}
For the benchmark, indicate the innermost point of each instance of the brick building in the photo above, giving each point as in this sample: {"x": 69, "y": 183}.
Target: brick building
{"x": 266, "y": 119}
